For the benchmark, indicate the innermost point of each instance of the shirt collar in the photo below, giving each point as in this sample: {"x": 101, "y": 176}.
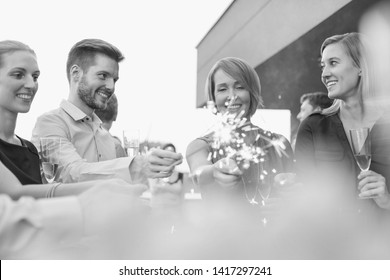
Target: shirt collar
{"x": 76, "y": 114}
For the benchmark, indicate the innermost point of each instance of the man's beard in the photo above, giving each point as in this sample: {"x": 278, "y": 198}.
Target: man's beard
{"x": 86, "y": 95}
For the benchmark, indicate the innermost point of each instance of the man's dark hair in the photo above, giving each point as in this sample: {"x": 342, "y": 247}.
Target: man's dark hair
{"x": 83, "y": 53}
{"x": 317, "y": 99}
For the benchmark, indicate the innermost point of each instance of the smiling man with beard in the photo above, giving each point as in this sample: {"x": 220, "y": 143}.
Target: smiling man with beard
{"x": 88, "y": 150}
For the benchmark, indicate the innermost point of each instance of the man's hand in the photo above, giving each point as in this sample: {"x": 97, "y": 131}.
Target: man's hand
{"x": 156, "y": 163}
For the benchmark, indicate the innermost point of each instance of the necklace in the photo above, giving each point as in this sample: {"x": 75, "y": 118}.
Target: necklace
{"x": 252, "y": 200}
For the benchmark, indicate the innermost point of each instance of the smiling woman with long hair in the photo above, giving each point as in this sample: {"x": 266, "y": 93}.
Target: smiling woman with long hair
{"x": 323, "y": 148}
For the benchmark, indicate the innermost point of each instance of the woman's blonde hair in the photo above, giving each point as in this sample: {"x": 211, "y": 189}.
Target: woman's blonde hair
{"x": 9, "y": 46}
{"x": 354, "y": 45}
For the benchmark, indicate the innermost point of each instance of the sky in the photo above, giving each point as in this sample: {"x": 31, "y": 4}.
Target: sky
{"x": 157, "y": 80}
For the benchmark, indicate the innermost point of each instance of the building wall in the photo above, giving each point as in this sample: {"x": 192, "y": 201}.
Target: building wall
{"x": 256, "y": 30}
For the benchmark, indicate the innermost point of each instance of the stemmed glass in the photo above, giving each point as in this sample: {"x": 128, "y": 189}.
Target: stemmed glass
{"x": 361, "y": 147}
{"x": 50, "y": 157}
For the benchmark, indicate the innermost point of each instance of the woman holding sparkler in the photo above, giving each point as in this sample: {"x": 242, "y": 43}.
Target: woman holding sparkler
{"x": 236, "y": 159}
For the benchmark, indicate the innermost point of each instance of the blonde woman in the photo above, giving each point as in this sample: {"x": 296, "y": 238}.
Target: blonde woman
{"x": 323, "y": 148}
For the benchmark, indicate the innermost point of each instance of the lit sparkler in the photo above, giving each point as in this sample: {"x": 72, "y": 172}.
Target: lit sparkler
{"x": 228, "y": 136}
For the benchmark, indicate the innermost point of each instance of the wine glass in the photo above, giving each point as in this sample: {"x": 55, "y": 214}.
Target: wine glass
{"x": 50, "y": 157}
{"x": 131, "y": 142}
{"x": 361, "y": 147}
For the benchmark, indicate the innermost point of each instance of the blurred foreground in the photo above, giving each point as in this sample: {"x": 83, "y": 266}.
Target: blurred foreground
{"x": 307, "y": 225}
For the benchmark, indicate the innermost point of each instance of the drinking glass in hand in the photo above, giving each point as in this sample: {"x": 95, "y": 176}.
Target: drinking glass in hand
{"x": 131, "y": 142}
{"x": 361, "y": 147}
{"x": 50, "y": 157}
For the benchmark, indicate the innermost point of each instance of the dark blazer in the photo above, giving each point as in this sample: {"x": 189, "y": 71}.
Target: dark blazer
{"x": 324, "y": 156}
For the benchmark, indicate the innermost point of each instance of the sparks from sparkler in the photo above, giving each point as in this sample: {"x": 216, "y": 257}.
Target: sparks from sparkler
{"x": 228, "y": 135}
{"x": 228, "y": 142}
{"x": 277, "y": 143}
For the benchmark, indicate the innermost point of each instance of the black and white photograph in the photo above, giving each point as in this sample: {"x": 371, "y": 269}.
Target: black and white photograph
{"x": 195, "y": 138}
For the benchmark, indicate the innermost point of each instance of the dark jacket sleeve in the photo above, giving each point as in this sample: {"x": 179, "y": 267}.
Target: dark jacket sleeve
{"x": 288, "y": 157}
{"x": 304, "y": 147}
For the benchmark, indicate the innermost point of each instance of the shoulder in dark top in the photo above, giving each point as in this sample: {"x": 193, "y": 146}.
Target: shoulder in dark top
{"x": 22, "y": 161}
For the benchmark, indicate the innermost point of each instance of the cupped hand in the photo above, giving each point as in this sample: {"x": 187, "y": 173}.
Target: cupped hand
{"x": 227, "y": 173}
{"x": 285, "y": 179}
{"x": 287, "y": 185}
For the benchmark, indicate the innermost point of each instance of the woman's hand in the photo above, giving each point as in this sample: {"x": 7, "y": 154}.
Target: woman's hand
{"x": 226, "y": 173}
{"x": 286, "y": 185}
{"x": 372, "y": 184}
{"x": 285, "y": 179}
